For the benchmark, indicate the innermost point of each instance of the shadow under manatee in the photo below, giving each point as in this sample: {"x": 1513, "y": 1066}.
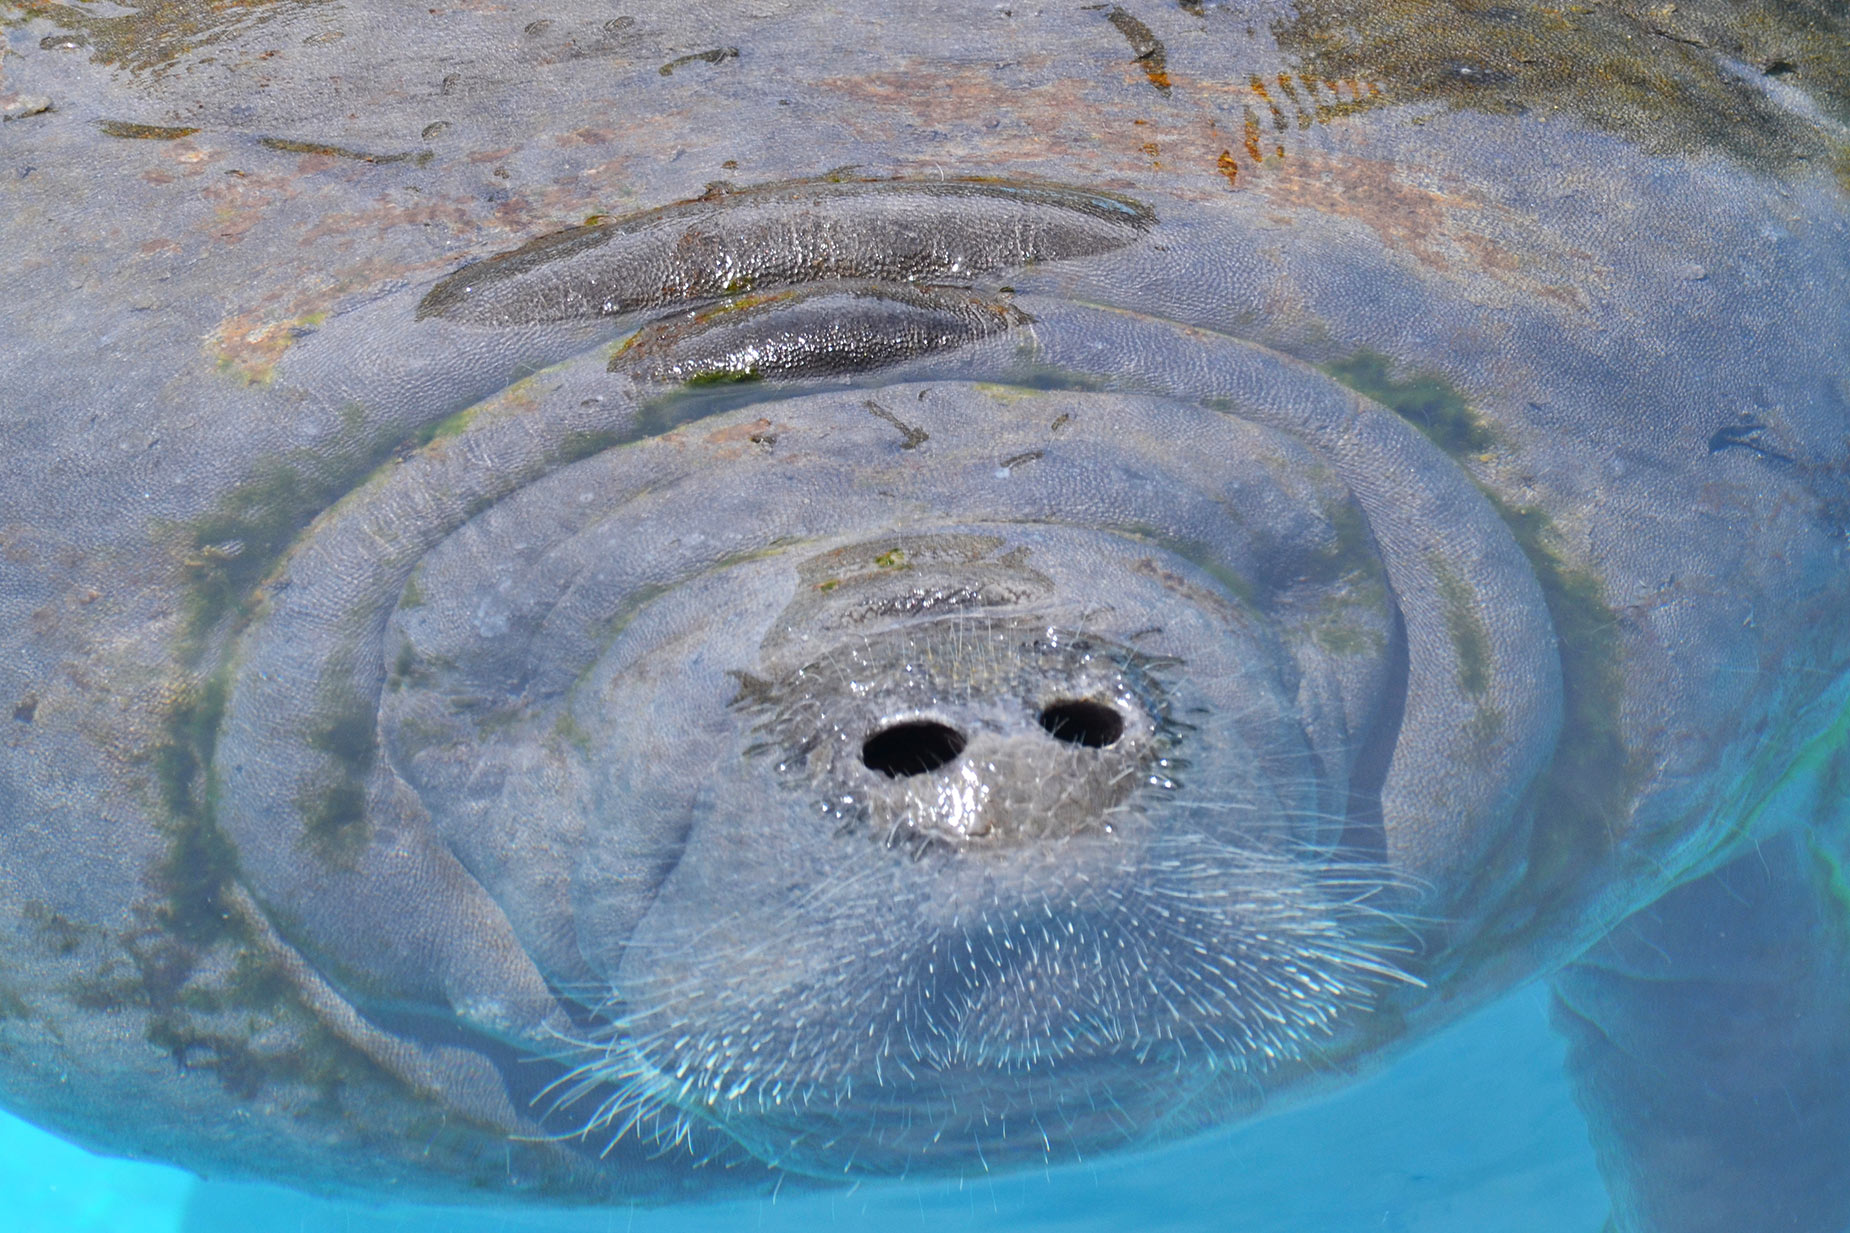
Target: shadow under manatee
{"x": 1473, "y": 1132}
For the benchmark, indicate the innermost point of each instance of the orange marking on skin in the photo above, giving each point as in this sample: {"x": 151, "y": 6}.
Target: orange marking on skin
{"x": 1228, "y": 168}
{"x": 1259, "y": 88}
{"x": 1252, "y": 137}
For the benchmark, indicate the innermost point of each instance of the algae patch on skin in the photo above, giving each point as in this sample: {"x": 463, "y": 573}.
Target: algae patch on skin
{"x": 1579, "y": 800}
{"x": 1673, "y": 79}
{"x": 1426, "y": 400}
{"x": 154, "y": 35}
{"x": 130, "y": 130}
{"x": 1464, "y": 625}
{"x": 235, "y": 545}
{"x": 1584, "y": 794}
{"x": 335, "y": 816}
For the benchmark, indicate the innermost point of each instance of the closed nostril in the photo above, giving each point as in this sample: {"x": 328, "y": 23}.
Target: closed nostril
{"x": 1080, "y": 721}
{"x": 912, "y": 748}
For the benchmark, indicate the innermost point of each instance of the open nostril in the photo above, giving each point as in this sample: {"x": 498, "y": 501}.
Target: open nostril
{"x": 1079, "y": 721}
{"x": 912, "y": 748}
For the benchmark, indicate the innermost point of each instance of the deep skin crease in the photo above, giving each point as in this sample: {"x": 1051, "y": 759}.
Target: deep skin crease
{"x": 597, "y": 611}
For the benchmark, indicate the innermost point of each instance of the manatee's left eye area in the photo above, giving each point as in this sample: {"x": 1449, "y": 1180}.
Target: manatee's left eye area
{"x": 916, "y": 747}
{"x": 1081, "y": 721}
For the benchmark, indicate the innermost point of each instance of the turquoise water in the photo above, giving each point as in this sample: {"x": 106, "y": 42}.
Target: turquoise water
{"x": 1474, "y": 1132}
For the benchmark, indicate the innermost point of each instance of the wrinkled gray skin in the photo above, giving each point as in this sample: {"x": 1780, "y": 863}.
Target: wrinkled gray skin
{"x": 936, "y": 653}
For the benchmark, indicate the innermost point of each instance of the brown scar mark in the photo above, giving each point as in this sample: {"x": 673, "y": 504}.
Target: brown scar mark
{"x": 584, "y": 137}
{"x": 418, "y": 157}
{"x": 754, "y": 433}
{"x": 142, "y": 132}
{"x": 1371, "y": 192}
{"x": 1022, "y": 459}
{"x": 1147, "y": 47}
{"x": 1305, "y": 97}
{"x": 1252, "y": 137}
{"x": 713, "y": 55}
{"x": 913, "y": 436}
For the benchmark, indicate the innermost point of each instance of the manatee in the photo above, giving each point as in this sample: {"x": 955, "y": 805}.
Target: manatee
{"x": 627, "y": 606}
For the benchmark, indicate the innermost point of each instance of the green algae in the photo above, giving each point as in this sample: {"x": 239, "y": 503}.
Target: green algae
{"x": 131, "y": 131}
{"x": 722, "y": 375}
{"x": 1578, "y": 802}
{"x": 287, "y": 145}
{"x": 334, "y": 815}
{"x": 1350, "y": 551}
{"x": 1426, "y": 400}
{"x": 234, "y": 545}
{"x": 1672, "y": 79}
{"x": 1349, "y": 565}
{"x": 154, "y": 35}
{"x": 1464, "y": 625}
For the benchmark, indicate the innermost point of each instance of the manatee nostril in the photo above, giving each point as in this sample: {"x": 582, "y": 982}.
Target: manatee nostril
{"x": 912, "y": 748}
{"x": 1080, "y": 721}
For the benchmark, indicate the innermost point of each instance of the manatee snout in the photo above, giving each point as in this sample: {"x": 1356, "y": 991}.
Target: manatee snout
{"x": 965, "y": 731}
{"x": 977, "y": 822}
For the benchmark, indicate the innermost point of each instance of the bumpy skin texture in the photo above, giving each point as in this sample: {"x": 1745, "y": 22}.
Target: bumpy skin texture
{"x": 952, "y": 587}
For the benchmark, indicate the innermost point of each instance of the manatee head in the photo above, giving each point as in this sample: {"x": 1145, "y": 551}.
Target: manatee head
{"x": 935, "y": 810}
{"x": 911, "y": 844}
{"x": 854, "y": 591}
{"x": 881, "y": 723}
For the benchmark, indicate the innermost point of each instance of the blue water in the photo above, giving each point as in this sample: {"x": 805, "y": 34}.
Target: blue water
{"x": 1474, "y": 1132}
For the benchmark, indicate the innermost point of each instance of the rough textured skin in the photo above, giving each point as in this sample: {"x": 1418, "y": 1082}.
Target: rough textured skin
{"x": 850, "y": 592}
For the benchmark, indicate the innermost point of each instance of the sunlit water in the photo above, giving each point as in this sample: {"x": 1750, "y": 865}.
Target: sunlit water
{"x": 1474, "y": 1132}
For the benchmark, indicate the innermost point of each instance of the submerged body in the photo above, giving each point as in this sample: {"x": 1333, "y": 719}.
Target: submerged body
{"x": 593, "y": 612}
